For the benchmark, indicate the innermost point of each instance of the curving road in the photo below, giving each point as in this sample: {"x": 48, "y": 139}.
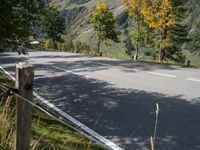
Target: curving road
{"x": 118, "y": 99}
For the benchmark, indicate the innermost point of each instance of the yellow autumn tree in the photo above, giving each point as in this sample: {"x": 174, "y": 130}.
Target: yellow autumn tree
{"x": 158, "y": 15}
{"x": 134, "y": 7}
{"x": 103, "y": 22}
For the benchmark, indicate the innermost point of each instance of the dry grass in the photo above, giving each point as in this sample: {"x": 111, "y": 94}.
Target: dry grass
{"x": 7, "y": 123}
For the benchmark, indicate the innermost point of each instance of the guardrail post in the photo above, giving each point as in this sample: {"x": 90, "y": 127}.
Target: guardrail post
{"x": 24, "y": 84}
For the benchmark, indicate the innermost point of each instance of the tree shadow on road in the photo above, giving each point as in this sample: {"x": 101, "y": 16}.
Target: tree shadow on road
{"x": 82, "y": 63}
{"x": 126, "y": 116}
{"x": 55, "y": 55}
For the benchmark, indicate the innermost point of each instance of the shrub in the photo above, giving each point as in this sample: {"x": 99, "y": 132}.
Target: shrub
{"x": 68, "y": 45}
{"x": 81, "y": 47}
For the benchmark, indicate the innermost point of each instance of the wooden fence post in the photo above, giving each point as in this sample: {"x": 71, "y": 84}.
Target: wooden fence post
{"x": 24, "y": 83}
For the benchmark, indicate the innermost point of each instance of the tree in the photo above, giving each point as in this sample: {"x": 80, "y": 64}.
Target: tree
{"x": 179, "y": 37}
{"x": 53, "y": 24}
{"x": 103, "y": 23}
{"x": 134, "y": 8}
{"x": 159, "y": 16}
{"x": 141, "y": 38}
{"x": 195, "y": 36}
{"x": 17, "y": 18}
{"x": 179, "y": 34}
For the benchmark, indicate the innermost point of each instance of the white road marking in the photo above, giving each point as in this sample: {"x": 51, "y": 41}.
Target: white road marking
{"x": 91, "y": 132}
{"x": 161, "y": 74}
{"x": 103, "y": 64}
{"x": 193, "y": 79}
{"x": 112, "y": 66}
{"x": 72, "y": 72}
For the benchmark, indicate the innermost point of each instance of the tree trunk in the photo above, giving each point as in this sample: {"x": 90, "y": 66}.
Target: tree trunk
{"x": 161, "y": 55}
{"x": 98, "y": 46}
{"x": 137, "y": 45}
{"x": 136, "y": 52}
{"x": 162, "y": 51}
{"x": 54, "y": 44}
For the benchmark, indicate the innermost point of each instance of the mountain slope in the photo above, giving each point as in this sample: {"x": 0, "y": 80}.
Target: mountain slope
{"x": 78, "y": 12}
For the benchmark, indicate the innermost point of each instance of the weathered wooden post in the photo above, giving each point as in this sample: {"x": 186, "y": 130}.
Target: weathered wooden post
{"x": 24, "y": 84}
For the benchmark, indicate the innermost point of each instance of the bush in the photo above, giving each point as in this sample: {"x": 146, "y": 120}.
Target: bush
{"x": 68, "y": 45}
{"x": 58, "y": 46}
{"x": 151, "y": 54}
{"x": 48, "y": 44}
{"x": 81, "y": 47}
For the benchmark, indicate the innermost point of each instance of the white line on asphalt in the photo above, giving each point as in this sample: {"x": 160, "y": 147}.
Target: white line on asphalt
{"x": 193, "y": 79}
{"x": 69, "y": 71}
{"x": 103, "y": 64}
{"x": 112, "y": 66}
{"x": 94, "y": 134}
{"x": 161, "y": 74}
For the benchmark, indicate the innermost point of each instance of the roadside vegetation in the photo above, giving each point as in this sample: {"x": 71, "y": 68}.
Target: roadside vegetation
{"x": 47, "y": 133}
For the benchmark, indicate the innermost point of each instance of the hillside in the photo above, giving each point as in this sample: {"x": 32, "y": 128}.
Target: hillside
{"x": 77, "y": 14}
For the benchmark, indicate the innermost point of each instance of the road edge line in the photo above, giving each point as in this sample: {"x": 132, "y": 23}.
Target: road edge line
{"x": 161, "y": 74}
{"x": 193, "y": 79}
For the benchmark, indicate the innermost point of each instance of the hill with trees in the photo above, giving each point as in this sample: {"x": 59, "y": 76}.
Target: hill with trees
{"x": 138, "y": 37}
{"x": 185, "y": 35}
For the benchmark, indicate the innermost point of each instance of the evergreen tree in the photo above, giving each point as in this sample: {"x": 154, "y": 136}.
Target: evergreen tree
{"x": 195, "y": 40}
{"x": 194, "y": 34}
{"x": 179, "y": 34}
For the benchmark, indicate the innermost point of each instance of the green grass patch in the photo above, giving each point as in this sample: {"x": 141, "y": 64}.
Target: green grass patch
{"x": 53, "y": 134}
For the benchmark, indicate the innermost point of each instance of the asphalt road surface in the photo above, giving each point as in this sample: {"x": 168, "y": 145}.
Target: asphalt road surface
{"x": 118, "y": 99}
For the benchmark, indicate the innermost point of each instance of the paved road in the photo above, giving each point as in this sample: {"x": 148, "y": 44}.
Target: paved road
{"x": 118, "y": 99}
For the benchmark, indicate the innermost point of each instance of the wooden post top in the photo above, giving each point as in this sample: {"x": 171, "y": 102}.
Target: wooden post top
{"x": 24, "y": 65}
